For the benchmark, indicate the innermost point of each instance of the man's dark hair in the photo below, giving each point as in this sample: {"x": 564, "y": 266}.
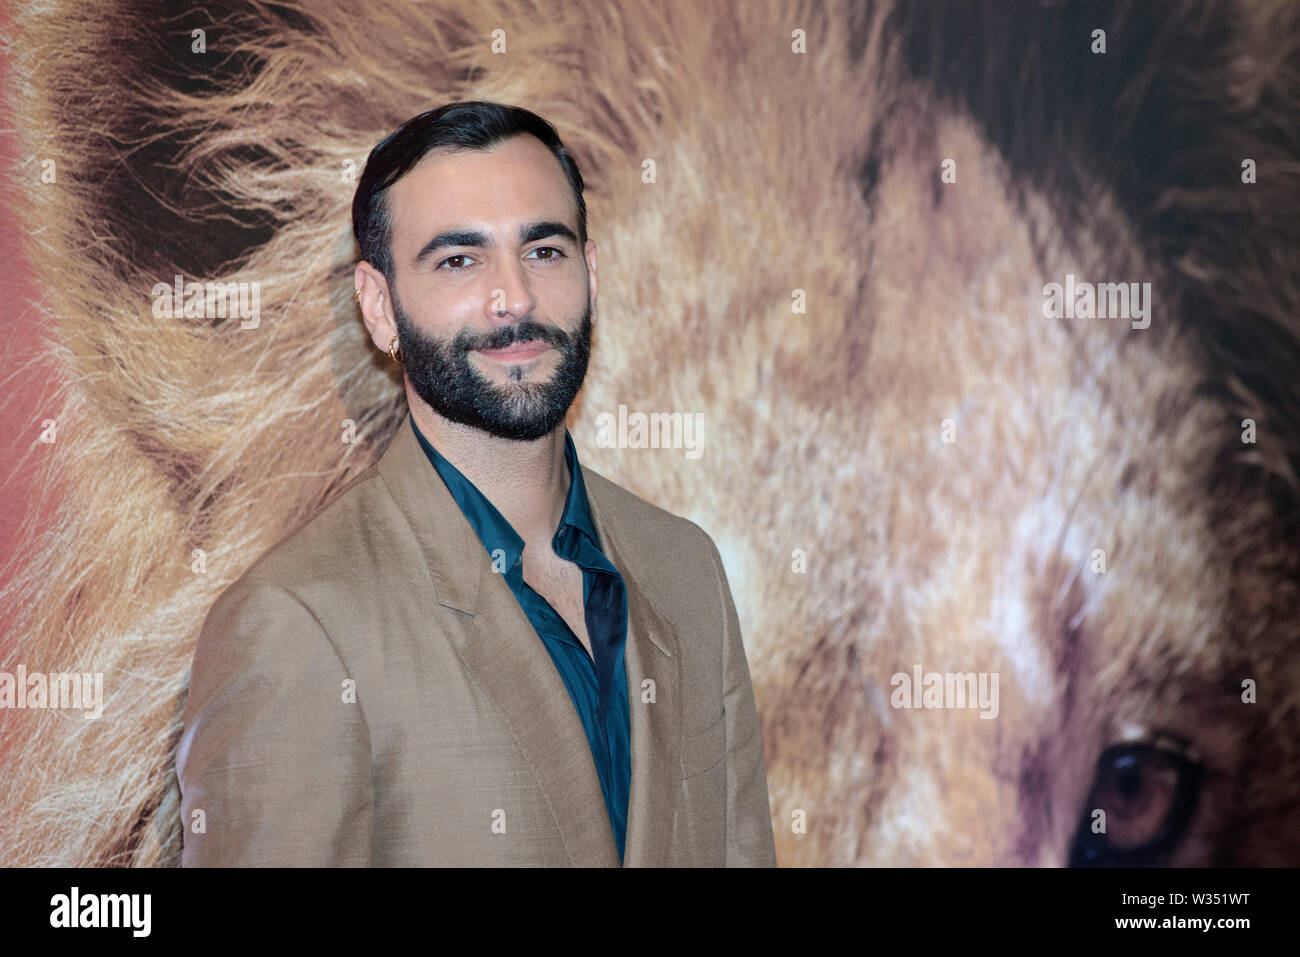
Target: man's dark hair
{"x": 469, "y": 125}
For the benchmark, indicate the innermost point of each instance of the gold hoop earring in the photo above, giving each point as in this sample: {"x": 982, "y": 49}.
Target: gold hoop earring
{"x": 395, "y": 357}
{"x": 357, "y": 295}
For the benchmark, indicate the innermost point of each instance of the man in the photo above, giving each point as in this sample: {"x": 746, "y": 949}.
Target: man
{"x": 480, "y": 653}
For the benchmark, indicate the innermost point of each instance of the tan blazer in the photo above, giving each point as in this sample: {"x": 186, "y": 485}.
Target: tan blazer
{"x": 370, "y": 692}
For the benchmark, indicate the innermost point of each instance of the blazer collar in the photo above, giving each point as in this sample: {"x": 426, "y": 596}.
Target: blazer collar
{"x": 446, "y": 538}
{"x": 503, "y": 652}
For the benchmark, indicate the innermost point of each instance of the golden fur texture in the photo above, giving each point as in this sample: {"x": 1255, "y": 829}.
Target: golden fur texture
{"x": 824, "y": 429}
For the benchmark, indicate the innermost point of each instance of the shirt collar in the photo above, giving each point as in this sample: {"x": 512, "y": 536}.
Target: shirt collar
{"x": 487, "y": 521}
{"x": 577, "y": 510}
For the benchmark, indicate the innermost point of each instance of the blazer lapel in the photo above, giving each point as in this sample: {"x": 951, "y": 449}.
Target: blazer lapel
{"x": 513, "y": 666}
{"x": 503, "y": 652}
{"x": 651, "y": 653}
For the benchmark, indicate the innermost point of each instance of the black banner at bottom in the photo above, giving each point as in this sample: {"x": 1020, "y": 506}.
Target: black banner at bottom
{"x": 928, "y": 906}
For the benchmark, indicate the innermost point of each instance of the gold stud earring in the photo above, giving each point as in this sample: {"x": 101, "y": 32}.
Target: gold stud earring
{"x": 395, "y": 357}
{"x": 357, "y": 296}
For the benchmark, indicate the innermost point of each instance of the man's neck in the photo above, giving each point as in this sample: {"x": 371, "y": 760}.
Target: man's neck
{"x": 528, "y": 482}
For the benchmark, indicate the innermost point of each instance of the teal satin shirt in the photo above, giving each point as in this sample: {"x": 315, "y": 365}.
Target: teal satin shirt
{"x": 597, "y": 686}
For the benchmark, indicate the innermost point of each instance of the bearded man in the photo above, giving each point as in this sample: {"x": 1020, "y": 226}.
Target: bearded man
{"x": 481, "y": 653}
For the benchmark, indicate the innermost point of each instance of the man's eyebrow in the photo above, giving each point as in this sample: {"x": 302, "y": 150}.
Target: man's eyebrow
{"x": 532, "y": 232}
{"x": 529, "y": 232}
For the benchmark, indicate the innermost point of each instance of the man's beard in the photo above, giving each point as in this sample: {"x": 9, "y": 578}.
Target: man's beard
{"x": 441, "y": 375}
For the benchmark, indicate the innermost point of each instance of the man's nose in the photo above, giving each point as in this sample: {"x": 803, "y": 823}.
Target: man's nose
{"x": 510, "y": 298}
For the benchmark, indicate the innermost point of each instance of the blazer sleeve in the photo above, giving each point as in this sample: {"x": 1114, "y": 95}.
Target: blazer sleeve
{"x": 274, "y": 761}
{"x": 749, "y": 817}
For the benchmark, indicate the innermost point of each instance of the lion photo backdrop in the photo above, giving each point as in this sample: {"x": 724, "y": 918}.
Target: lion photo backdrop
{"x": 989, "y": 313}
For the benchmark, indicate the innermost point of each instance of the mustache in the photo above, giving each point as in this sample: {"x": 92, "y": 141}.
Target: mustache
{"x": 526, "y": 331}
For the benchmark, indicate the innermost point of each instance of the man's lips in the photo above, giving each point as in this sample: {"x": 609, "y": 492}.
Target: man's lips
{"x": 517, "y": 352}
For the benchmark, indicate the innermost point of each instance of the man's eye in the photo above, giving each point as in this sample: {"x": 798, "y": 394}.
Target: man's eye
{"x": 558, "y": 253}
{"x": 451, "y": 259}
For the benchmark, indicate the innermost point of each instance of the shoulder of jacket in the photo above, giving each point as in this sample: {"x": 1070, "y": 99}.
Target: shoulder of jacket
{"x": 325, "y": 544}
{"x": 629, "y": 510}
{"x": 648, "y": 535}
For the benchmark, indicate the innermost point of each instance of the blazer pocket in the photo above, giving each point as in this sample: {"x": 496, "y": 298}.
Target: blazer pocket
{"x": 704, "y": 750}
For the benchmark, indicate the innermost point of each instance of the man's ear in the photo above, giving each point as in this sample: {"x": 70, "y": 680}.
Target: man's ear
{"x": 590, "y": 251}
{"x": 374, "y": 301}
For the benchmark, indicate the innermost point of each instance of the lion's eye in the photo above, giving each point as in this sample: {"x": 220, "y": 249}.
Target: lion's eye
{"x": 1146, "y": 793}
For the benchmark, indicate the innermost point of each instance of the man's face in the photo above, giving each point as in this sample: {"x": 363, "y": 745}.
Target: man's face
{"x": 476, "y": 234}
